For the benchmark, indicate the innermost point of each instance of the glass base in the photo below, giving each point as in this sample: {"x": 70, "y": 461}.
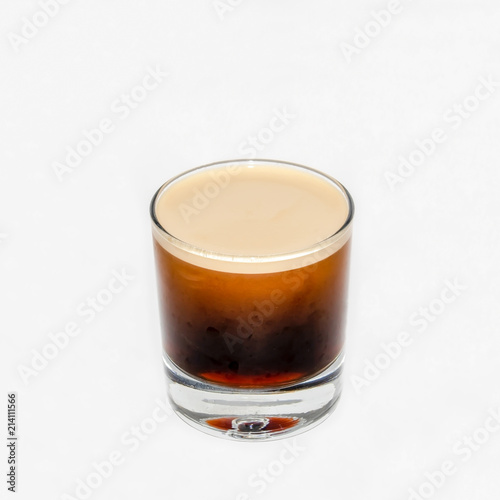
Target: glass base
{"x": 254, "y": 414}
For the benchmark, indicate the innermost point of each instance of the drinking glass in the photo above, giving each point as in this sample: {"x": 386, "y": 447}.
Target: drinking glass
{"x": 252, "y": 342}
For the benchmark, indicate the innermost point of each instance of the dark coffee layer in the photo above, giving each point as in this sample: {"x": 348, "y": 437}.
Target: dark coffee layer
{"x": 253, "y": 330}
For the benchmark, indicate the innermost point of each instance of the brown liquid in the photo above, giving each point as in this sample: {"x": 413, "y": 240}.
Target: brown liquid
{"x": 253, "y": 330}
{"x": 273, "y": 424}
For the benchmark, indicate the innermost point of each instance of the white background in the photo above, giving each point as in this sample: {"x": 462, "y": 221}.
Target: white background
{"x": 61, "y": 239}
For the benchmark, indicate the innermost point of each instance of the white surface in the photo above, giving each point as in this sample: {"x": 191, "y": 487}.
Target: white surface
{"x": 61, "y": 241}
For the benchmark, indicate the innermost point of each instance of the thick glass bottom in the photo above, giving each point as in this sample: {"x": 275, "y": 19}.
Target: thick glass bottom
{"x": 254, "y": 414}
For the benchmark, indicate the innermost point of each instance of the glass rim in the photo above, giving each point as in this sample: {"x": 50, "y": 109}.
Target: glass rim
{"x": 199, "y": 251}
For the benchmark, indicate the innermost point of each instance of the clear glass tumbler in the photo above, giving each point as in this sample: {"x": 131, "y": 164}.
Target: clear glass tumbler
{"x": 252, "y": 261}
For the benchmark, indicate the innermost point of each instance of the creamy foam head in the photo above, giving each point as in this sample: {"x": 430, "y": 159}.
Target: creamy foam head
{"x": 251, "y": 216}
